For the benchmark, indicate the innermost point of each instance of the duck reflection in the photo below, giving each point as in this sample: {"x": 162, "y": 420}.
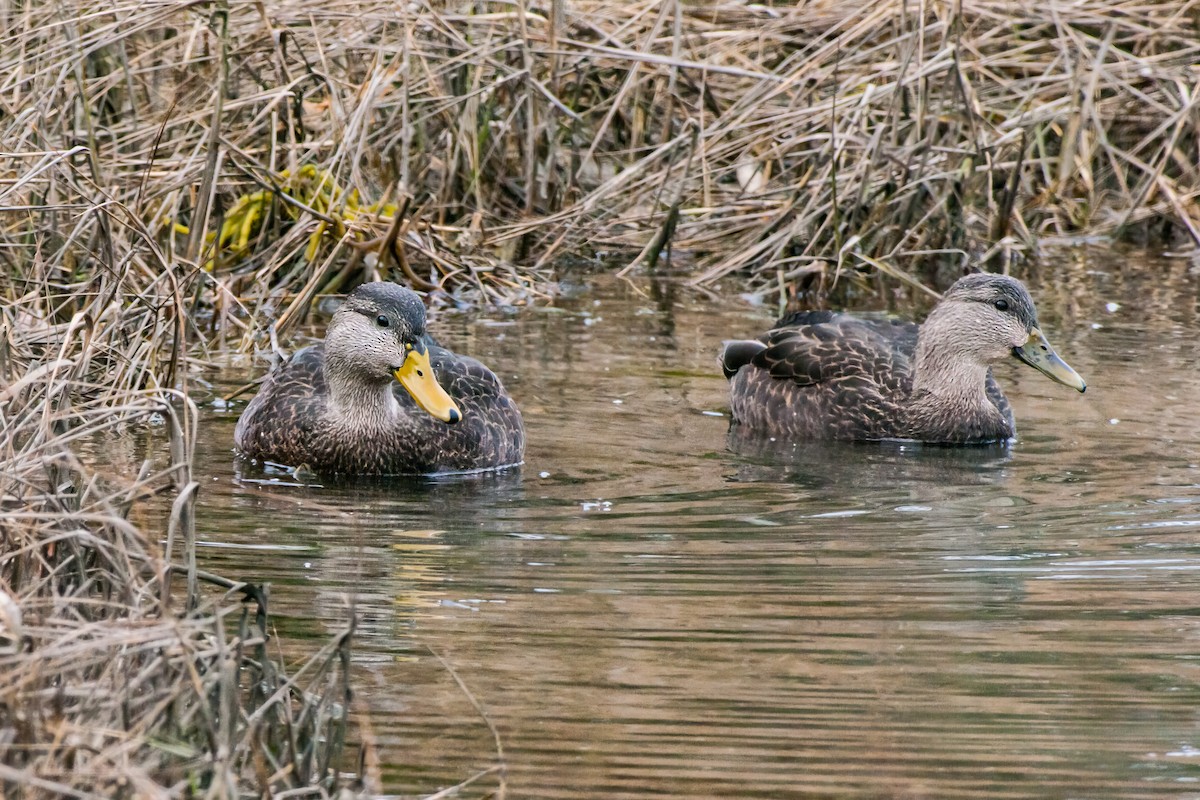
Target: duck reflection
{"x": 865, "y": 466}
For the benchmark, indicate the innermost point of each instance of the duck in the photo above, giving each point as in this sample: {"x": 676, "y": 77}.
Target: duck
{"x": 380, "y": 396}
{"x": 827, "y": 375}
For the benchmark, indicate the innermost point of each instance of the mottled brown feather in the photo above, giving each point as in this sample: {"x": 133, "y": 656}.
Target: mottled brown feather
{"x": 290, "y": 422}
{"x": 823, "y": 375}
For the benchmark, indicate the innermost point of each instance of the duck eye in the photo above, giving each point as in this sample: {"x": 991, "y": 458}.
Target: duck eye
{"x": 382, "y": 321}
{"x": 1001, "y": 304}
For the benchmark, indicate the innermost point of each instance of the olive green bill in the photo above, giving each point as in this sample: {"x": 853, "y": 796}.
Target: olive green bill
{"x": 1037, "y": 353}
{"x": 417, "y": 378}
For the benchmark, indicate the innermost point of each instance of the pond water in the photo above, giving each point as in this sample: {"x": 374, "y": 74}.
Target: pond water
{"x": 643, "y": 611}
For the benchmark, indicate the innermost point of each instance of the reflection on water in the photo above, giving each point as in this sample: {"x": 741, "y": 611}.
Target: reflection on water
{"x": 863, "y": 464}
{"x": 644, "y": 610}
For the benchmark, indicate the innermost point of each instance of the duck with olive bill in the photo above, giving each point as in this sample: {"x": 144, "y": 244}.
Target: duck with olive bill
{"x": 379, "y": 396}
{"x": 824, "y": 375}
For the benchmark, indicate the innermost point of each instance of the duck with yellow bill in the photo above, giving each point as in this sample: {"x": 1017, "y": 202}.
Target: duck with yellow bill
{"x": 379, "y": 396}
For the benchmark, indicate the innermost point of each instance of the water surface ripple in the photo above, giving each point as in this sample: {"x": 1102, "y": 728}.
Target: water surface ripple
{"x": 648, "y": 609}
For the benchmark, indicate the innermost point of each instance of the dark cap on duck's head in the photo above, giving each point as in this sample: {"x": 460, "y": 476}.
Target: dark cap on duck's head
{"x": 1005, "y": 294}
{"x": 390, "y": 306}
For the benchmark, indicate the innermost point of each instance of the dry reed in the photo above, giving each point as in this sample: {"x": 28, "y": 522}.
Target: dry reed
{"x": 472, "y": 145}
{"x": 469, "y": 145}
{"x": 126, "y": 671}
{"x": 175, "y": 176}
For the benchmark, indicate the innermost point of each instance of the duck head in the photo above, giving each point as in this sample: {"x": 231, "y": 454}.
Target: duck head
{"x": 378, "y": 334}
{"x": 992, "y": 317}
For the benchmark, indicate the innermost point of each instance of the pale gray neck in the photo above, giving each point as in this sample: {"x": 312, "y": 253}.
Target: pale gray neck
{"x": 945, "y": 378}
{"x": 356, "y": 398}
{"x": 949, "y": 400}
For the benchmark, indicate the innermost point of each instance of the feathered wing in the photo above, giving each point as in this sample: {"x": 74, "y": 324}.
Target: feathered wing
{"x": 738, "y": 353}
{"x": 491, "y": 432}
{"x": 278, "y": 423}
{"x": 998, "y": 399}
{"x": 826, "y": 376}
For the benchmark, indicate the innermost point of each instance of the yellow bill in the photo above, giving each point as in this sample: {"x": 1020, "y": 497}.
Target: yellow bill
{"x": 417, "y": 378}
{"x": 1038, "y": 353}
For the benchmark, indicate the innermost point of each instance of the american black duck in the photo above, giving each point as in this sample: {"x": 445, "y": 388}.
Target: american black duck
{"x": 380, "y": 397}
{"x": 822, "y": 375}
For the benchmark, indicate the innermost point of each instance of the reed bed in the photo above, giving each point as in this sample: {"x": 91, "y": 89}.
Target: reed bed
{"x": 126, "y": 671}
{"x": 179, "y": 179}
{"x": 272, "y": 151}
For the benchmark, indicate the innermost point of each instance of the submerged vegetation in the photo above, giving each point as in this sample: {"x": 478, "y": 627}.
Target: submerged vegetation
{"x": 173, "y": 176}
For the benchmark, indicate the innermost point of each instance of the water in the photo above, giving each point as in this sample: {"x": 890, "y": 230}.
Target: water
{"x": 642, "y": 612}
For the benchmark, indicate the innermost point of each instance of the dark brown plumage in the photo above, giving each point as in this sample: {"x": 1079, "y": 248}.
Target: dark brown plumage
{"x": 338, "y": 407}
{"x": 820, "y": 375}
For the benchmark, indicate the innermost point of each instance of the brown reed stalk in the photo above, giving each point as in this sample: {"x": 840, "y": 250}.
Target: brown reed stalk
{"x": 118, "y": 680}
{"x": 527, "y": 131}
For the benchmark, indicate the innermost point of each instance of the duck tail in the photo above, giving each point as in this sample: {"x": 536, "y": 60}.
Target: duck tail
{"x": 737, "y": 353}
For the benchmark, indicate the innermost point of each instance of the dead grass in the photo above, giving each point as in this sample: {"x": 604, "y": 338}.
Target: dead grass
{"x": 494, "y": 139}
{"x": 178, "y": 178}
{"x": 125, "y": 671}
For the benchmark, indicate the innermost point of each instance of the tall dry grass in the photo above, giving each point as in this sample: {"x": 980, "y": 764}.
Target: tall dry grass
{"x": 126, "y": 671}
{"x": 474, "y": 144}
{"x": 177, "y": 178}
